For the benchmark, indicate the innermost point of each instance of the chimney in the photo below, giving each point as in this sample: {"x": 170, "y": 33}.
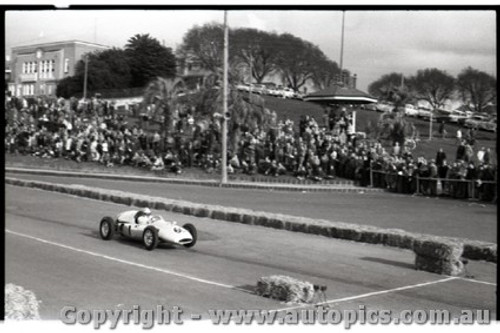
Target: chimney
{"x": 354, "y": 78}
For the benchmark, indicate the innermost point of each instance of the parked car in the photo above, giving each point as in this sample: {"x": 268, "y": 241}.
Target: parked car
{"x": 369, "y": 107}
{"x": 384, "y": 107}
{"x": 456, "y": 116}
{"x": 243, "y": 87}
{"x": 490, "y": 126}
{"x": 410, "y": 110}
{"x": 274, "y": 91}
{"x": 298, "y": 95}
{"x": 287, "y": 93}
{"x": 475, "y": 121}
{"x": 259, "y": 89}
{"x": 424, "y": 113}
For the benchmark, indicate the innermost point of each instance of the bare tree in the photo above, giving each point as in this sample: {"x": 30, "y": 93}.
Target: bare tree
{"x": 477, "y": 88}
{"x": 433, "y": 85}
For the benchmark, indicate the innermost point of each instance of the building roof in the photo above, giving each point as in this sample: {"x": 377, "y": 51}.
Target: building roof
{"x": 340, "y": 94}
{"x": 31, "y": 46}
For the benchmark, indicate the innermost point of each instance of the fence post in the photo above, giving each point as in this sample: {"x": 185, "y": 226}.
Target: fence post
{"x": 371, "y": 175}
{"x": 418, "y": 184}
{"x": 472, "y": 185}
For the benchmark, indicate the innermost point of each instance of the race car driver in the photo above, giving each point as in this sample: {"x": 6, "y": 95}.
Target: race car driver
{"x": 143, "y": 216}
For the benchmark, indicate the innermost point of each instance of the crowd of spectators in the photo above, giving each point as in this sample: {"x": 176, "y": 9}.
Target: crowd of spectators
{"x": 465, "y": 175}
{"x": 96, "y": 132}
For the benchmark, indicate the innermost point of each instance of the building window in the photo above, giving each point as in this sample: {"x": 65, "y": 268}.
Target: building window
{"x": 49, "y": 88}
{"x": 49, "y": 68}
{"x": 66, "y": 65}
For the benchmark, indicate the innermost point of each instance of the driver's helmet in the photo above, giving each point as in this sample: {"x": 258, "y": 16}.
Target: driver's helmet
{"x": 146, "y": 211}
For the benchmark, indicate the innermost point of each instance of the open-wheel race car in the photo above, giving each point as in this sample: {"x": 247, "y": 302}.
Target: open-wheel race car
{"x": 148, "y": 228}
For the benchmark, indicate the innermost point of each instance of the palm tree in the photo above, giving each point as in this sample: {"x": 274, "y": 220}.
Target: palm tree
{"x": 163, "y": 94}
{"x": 246, "y": 113}
{"x": 393, "y": 125}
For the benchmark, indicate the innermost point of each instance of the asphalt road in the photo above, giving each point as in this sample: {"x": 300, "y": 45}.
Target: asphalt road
{"x": 53, "y": 249}
{"x": 443, "y": 217}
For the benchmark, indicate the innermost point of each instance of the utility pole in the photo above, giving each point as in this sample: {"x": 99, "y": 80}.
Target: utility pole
{"x": 251, "y": 76}
{"x": 430, "y": 126}
{"x": 342, "y": 49}
{"x": 224, "y": 105}
{"x": 85, "y": 77}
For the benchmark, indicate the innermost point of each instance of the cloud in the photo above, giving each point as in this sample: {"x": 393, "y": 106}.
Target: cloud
{"x": 377, "y": 42}
{"x": 255, "y": 22}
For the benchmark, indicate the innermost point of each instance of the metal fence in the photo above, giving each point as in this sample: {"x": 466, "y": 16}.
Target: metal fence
{"x": 482, "y": 190}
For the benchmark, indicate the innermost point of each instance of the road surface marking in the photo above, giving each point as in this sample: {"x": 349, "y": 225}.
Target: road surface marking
{"x": 375, "y": 293}
{"x": 131, "y": 263}
{"x": 478, "y": 281}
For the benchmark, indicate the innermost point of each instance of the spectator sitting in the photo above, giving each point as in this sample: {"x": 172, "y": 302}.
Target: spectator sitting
{"x": 158, "y": 163}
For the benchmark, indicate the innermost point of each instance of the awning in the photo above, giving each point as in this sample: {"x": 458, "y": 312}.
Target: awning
{"x": 340, "y": 95}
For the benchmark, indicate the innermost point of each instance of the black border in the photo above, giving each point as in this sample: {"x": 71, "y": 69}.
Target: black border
{"x": 5, "y": 8}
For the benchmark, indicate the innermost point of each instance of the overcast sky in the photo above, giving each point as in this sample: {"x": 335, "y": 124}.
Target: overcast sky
{"x": 376, "y": 42}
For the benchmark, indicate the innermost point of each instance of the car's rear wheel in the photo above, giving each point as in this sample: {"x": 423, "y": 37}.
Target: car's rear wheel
{"x": 107, "y": 228}
{"x": 150, "y": 238}
{"x": 194, "y": 233}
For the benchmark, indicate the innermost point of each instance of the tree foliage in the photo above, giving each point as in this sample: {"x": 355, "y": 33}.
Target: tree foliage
{"x": 476, "y": 88}
{"x": 267, "y": 54}
{"x": 206, "y": 43}
{"x": 148, "y": 59}
{"x": 257, "y": 50}
{"x": 162, "y": 93}
{"x": 107, "y": 69}
{"x": 69, "y": 86}
{"x": 383, "y": 87}
{"x": 298, "y": 60}
{"x": 143, "y": 60}
{"x": 324, "y": 73}
{"x": 433, "y": 85}
{"x": 393, "y": 126}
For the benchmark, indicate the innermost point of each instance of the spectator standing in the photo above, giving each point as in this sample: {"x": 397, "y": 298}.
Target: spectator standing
{"x": 480, "y": 155}
{"x": 487, "y": 156}
{"x": 442, "y": 130}
{"x": 460, "y": 151}
{"x": 469, "y": 153}
{"x": 459, "y": 136}
{"x": 396, "y": 149}
{"x": 440, "y": 157}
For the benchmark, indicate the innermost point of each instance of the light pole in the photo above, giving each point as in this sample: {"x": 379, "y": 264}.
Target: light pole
{"x": 224, "y": 105}
{"x": 251, "y": 77}
{"x": 85, "y": 77}
{"x": 342, "y": 43}
{"x": 430, "y": 126}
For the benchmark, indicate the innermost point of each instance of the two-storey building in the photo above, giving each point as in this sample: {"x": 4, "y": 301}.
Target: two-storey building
{"x": 36, "y": 69}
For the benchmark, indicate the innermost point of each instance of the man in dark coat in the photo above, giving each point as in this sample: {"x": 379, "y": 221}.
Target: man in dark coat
{"x": 440, "y": 157}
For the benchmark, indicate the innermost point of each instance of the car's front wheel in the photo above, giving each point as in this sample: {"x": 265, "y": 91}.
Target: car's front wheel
{"x": 194, "y": 234}
{"x": 106, "y": 228}
{"x": 150, "y": 238}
